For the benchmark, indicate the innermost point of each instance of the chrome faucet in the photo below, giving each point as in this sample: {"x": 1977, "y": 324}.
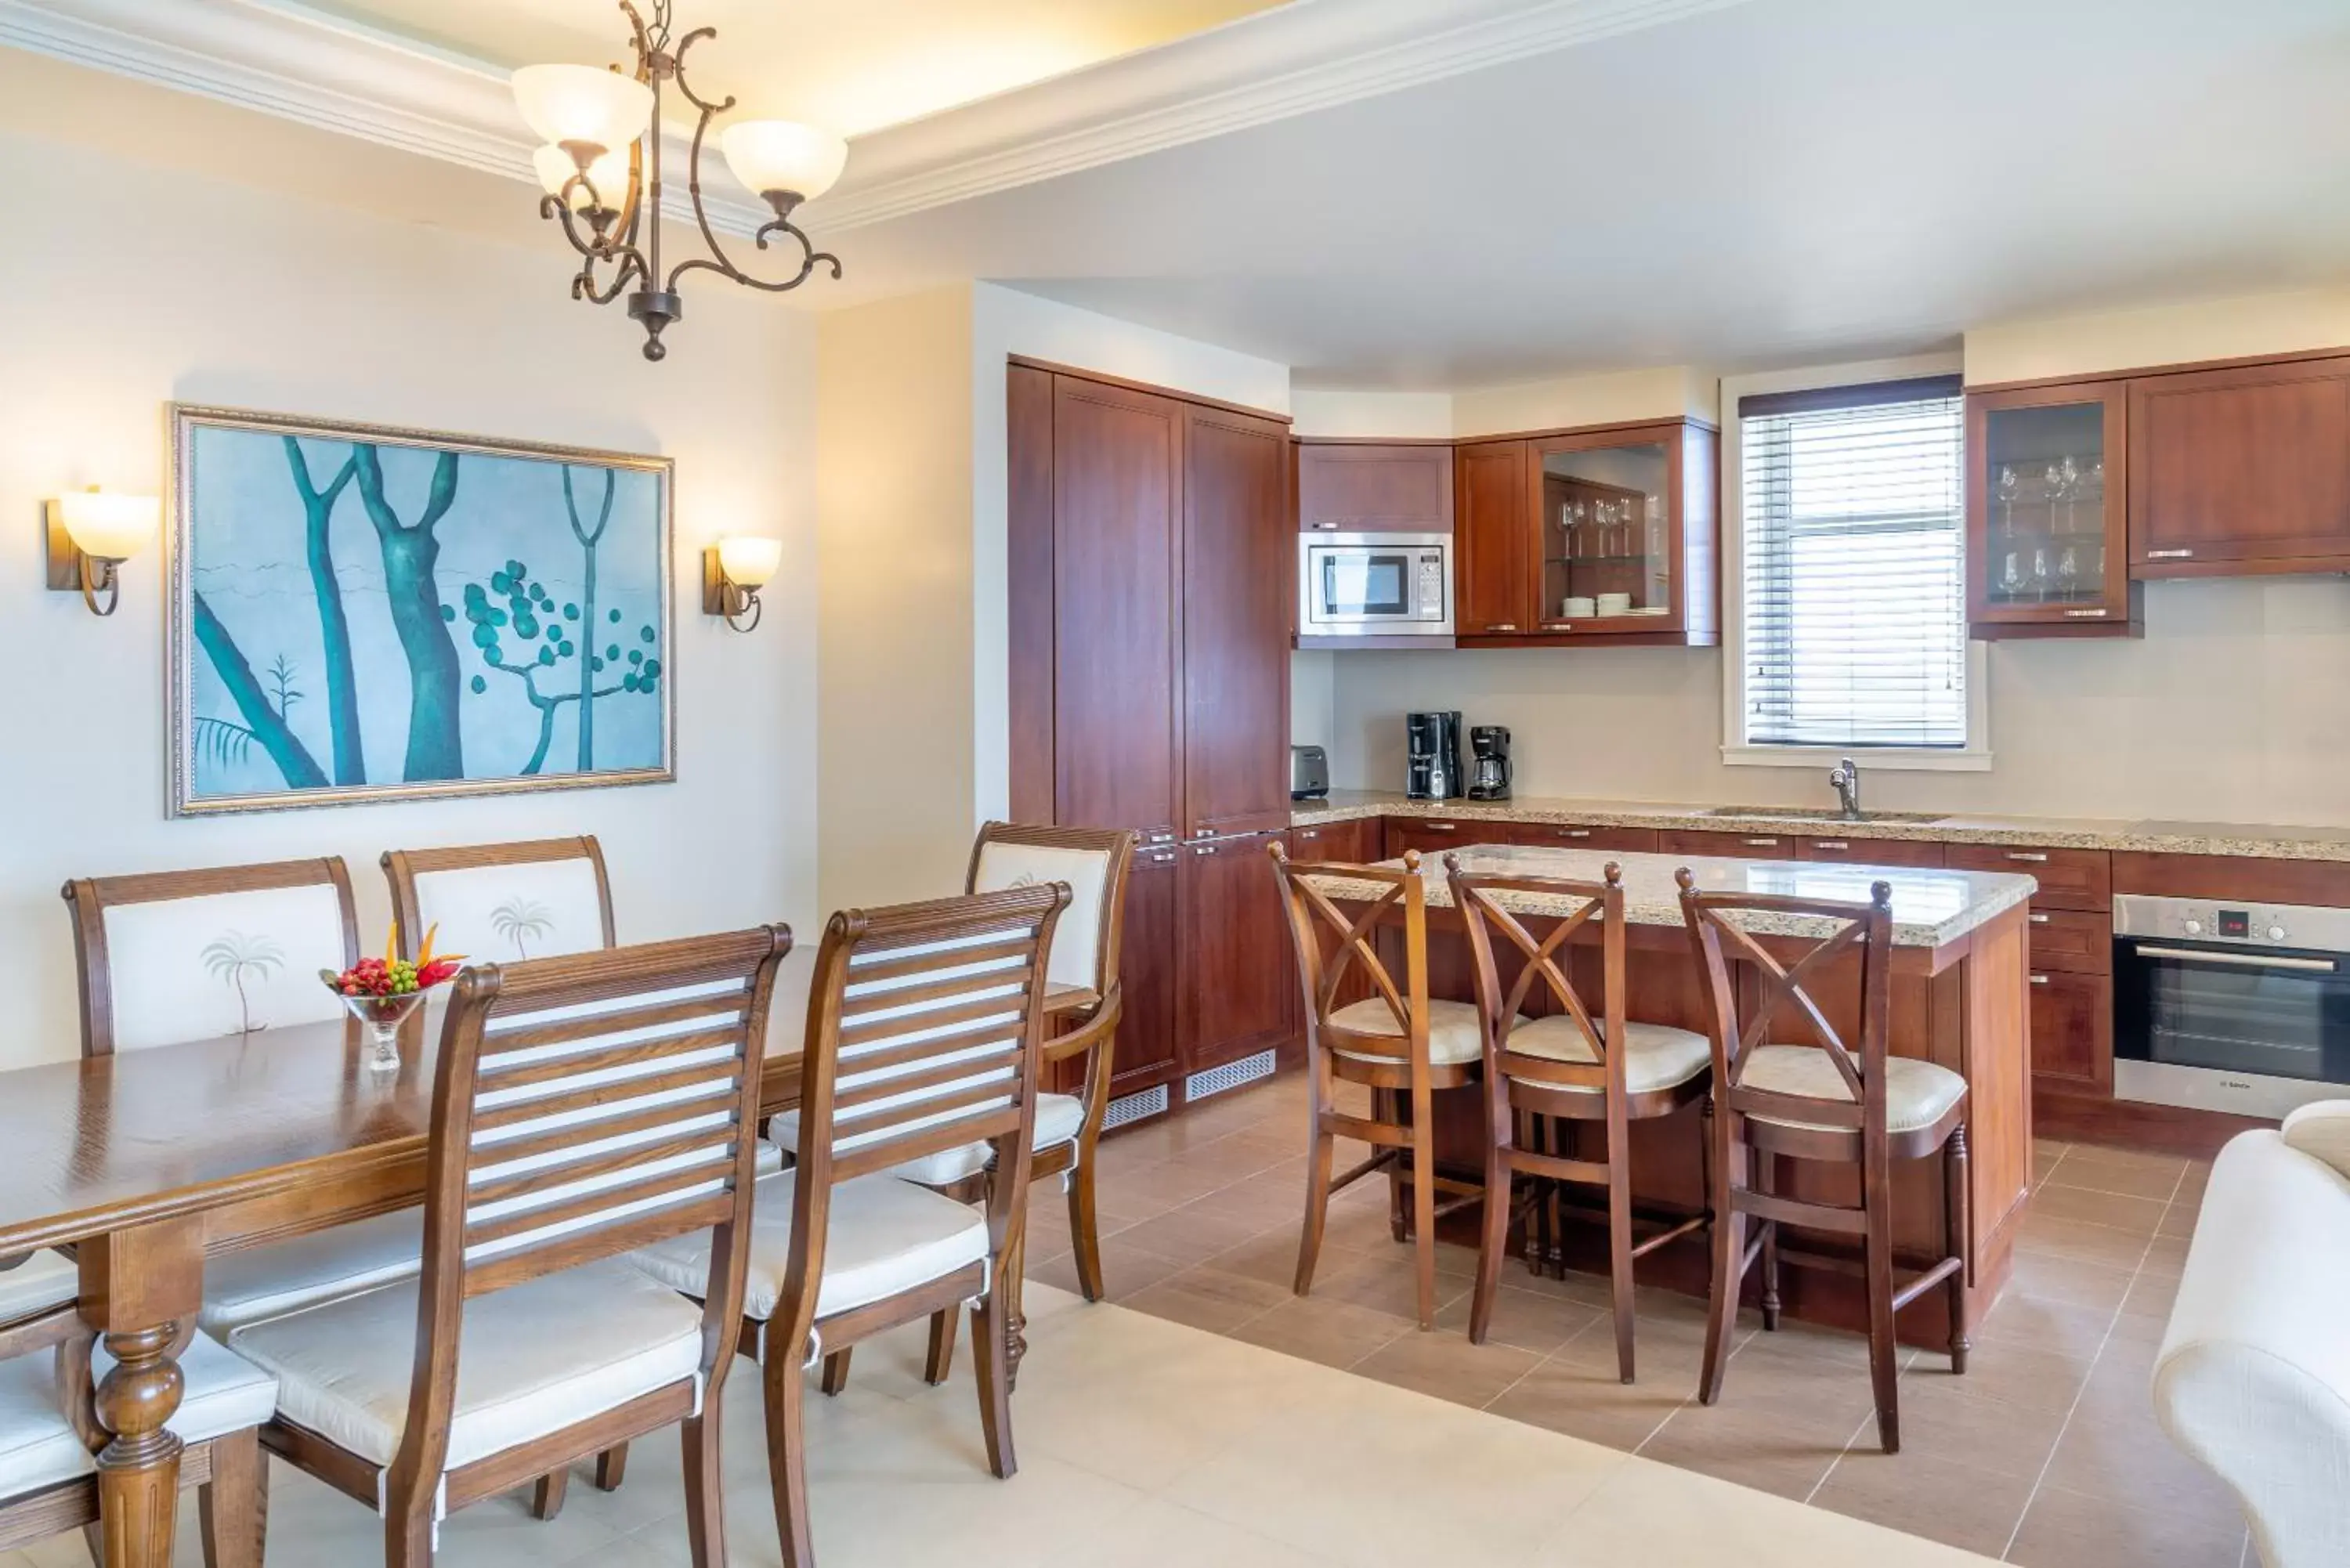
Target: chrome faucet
{"x": 1845, "y": 779}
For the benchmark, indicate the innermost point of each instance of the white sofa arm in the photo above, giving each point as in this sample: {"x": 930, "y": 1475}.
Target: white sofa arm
{"x": 2253, "y": 1377}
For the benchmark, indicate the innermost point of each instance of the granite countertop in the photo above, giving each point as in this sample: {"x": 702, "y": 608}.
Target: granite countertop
{"x": 1930, "y": 907}
{"x": 2254, "y": 840}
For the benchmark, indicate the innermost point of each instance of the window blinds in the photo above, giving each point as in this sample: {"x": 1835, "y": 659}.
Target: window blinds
{"x": 1855, "y": 628}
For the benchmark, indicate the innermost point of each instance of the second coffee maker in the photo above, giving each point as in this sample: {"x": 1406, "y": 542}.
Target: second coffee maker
{"x": 1432, "y": 756}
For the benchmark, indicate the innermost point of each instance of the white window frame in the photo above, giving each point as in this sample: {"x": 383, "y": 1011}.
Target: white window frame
{"x": 1975, "y": 755}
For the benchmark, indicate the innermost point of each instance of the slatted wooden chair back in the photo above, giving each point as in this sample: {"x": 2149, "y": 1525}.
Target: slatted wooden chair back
{"x": 1780, "y": 987}
{"x": 1333, "y": 944}
{"x": 1540, "y": 961}
{"x": 924, "y": 1033}
{"x": 583, "y": 1108}
{"x": 169, "y": 956}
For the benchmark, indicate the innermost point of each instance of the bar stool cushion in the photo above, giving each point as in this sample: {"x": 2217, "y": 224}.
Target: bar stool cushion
{"x": 1656, "y": 1055}
{"x": 1455, "y": 1030}
{"x": 885, "y": 1234}
{"x": 223, "y": 1393}
{"x": 1917, "y": 1093}
{"x": 531, "y": 1359}
{"x": 286, "y": 1276}
{"x": 41, "y": 1282}
{"x": 1059, "y": 1118}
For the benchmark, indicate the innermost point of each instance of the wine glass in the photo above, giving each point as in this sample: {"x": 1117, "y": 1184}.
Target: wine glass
{"x": 2011, "y": 580}
{"x": 2070, "y": 471}
{"x": 2068, "y": 573}
{"x": 2052, "y": 485}
{"x": 2040, "y": 572}
{"x": 2009, "y": 484}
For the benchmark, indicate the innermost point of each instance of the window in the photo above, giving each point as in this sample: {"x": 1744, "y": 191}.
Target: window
{"x": 1855, "y": 619}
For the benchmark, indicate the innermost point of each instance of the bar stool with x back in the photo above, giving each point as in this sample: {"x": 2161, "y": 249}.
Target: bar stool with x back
{"x": 1828, "y": 1102}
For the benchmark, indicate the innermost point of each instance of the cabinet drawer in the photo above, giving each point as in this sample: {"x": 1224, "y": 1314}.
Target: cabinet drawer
{"x": 2072, "y": 1028}
{"x": 1436, "y": 835}
{"x": 1568, "y": 835}
{"x": 2069, "y": 879}
{"x": 1356, "y": 842}
{"x": 1738, "y": 845}
{"x": 2079, "y": 940}
{"x": 1870, "y": 851}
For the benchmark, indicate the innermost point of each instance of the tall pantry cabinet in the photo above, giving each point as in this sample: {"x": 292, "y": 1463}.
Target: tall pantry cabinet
{"x": 1151, "y": 566}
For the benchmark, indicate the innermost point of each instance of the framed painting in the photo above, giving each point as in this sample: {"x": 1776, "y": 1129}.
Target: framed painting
{"x": 362, "y": 614}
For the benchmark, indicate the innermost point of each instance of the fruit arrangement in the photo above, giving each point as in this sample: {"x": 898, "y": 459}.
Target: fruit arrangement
{"x": 392, "y": 975}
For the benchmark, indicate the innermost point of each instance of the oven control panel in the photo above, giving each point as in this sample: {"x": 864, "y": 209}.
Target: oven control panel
{"x": 2252, "y": 925}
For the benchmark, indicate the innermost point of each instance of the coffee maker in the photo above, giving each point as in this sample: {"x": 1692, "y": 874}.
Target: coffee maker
{"x": 1432, "y": 756}
{"x": 1489, "y": 765}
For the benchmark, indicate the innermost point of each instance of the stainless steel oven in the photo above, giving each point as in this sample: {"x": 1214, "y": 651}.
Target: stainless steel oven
{"x": 2230, "y": 1007}
{"x": 1375, "y": 585}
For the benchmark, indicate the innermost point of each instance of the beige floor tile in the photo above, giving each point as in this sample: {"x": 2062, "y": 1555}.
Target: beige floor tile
{"x": 1442, "y": 1362}
{"x": 1159, "y": 1533}
{"x": 2066, "y": 1529}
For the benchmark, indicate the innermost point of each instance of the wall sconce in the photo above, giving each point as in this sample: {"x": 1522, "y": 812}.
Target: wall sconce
{"x": 734, "y": 570}
{"x": 91, "y": 533}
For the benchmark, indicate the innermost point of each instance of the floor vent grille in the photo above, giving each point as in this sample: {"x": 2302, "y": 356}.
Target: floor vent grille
{"x": 1134, "y": 1107}
{"x": 1231, "y": 1075}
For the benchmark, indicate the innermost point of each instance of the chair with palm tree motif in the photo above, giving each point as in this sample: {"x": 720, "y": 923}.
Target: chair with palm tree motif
{"x": 176, "y": 956}
{"x": 503, "y": 903}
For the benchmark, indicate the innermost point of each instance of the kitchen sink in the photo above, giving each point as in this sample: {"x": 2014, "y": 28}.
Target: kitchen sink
{"x": 1822, "y": 814}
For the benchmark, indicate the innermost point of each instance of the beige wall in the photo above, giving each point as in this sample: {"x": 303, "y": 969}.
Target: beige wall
{"x": 2170, "y": 334}
{"x": 135, "y": 286}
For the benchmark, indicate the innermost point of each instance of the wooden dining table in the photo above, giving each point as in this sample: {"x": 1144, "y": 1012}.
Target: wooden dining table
{"x": 146, "y": 1163}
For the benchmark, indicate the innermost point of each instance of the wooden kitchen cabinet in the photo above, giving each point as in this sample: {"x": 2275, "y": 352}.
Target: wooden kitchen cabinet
{"x": 1492, "y": 590}
{"x": 1734, "y": 845}
{"x": 2080, "y": 940}
{"x": 1867, "y": 851}
{"x": 1372, "y": 487}
{"x": 2073, "y": 1029}
{"x": 1624, "y": 517}
{"x": 1357, "y": 842}
{"x": 1236, "y": 975}
{"x": 1236, "y": 555}
{"x": 2047, "y": 514}
{"x": 2068, "y": 878}
{"x": 1435, "y": 834}
{"x": 1572, "y": 835}
{"x": 1146, "y": 1051}
{"x": 2241, "y": 469}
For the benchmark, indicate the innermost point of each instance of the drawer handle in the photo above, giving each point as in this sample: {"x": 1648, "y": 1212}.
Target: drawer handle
{"x": 1830, "y": 843}
{"x": 2085, "y": 615}
{"x": 1759, "y": 843}
{"x": 1503, "y": 626}
{"x": 1577, "y": 833}
{"x": 2242, "y": 961}
{"x": 2031, "y": 856}
{"x": 1438, "y": 826}
{"x": 1310, "y": 833}
{"x": 1162, "y": 838}
{"x": 2039, "y": 920}
{"x": 2170, "y": 554}
{"x": 2040, "y": 980}
{"x": 1325, "y": 524}
{"x": 1203, "y": 849}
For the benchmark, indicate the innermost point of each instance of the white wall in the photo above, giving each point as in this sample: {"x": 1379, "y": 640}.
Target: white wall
{"x": 135, "y": 286}
{"x": 2167, "y": 335}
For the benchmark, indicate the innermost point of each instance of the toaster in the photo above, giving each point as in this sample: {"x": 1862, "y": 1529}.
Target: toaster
{"x": 1309, "y": 772}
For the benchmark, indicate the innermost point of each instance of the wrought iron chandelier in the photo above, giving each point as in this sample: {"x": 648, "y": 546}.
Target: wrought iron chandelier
{"x": 601, "y": 167}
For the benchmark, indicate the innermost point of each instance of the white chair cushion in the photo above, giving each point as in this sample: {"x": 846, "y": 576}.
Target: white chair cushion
{"x": 1455, "y": 1030}
{"x": 2321, "y": 1131}
{"x": 189, "y": 969}
{"x": 1075, "y": 956}
{"x": 41, "y": 1282}
{"x": 1060, "y": 1118}
{"x": 1916, "y": 1093}
{"x": 269, "y": 1282}
{"x": 531, "y": 1359}
{"x": 1656, "y": 1055}
{"x": 885, "y": 1235}
{"x": 223, "y": 1393}
{"x": 500, "y": 914}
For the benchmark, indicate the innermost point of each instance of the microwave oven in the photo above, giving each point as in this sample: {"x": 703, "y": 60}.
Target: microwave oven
{"x": 1375, "y": 585}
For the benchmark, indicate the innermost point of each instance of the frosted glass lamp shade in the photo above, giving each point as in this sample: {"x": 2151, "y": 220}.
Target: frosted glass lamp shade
{"x": 608, "y": 174}
{"x": 107, "y": 526}
{"x": 581, "y": 104}
{"x": 748, "y": 561}
{"x": 784, "y": 156}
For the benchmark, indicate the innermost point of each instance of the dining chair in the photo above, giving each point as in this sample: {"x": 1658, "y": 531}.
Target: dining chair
{"x": 173, "y": 956}
{"x": 1399, "y": 1044}
{"x": 583, "y": 1107}
{"x": 1567, "y": 1066}
{"x": 1861, "y": 1108}
{"x": 924, "y": 1033}
{"x": 50, "y": 1369}
{"x": 503, "y": 902}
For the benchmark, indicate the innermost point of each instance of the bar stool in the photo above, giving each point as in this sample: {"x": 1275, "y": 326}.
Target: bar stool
{"x": 1399, "y": 1044}
{"x": 1828, "y": 1102}
{"x": 1568, "y": 1066}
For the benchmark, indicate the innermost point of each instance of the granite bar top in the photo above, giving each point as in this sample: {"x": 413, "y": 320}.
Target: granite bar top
{"x": 1931, "y": 906}
{"x": 2253, "y": 840}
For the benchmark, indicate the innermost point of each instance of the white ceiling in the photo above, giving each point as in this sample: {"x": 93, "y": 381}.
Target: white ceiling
{"x": 1778, "y": 180}
{"x": 850, "y": 65}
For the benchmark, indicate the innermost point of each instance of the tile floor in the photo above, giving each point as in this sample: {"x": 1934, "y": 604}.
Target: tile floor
{"x": 2045, "y": 1453}
{"x": 1143, "y": 1444}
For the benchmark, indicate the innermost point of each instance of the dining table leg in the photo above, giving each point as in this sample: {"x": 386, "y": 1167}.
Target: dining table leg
{"x": 137, "y": 1286}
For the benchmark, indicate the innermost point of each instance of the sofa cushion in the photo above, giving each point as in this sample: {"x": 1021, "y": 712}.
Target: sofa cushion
{"x": 2322, "y": 1131}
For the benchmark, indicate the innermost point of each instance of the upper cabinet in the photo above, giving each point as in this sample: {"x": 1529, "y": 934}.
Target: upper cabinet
{"x": 1603, "y": 535}
{"x": 1360, "y": 487}
{"x": 2047, "y": 547}
{"x": 2243, "y": 469}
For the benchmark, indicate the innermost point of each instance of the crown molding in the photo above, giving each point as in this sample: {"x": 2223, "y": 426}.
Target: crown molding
{"x": 282, "y": 57}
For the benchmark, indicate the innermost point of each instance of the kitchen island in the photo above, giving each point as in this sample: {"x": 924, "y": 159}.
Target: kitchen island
{"x": 1959, "y": 998}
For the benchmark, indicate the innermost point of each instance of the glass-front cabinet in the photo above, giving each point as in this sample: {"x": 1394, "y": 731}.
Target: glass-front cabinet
{"x": 2047, "y": 518}
{"x": 1605, "y": 534}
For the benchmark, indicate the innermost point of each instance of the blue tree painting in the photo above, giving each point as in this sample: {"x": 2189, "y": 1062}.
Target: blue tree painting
{"x": 362, "y": 615}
